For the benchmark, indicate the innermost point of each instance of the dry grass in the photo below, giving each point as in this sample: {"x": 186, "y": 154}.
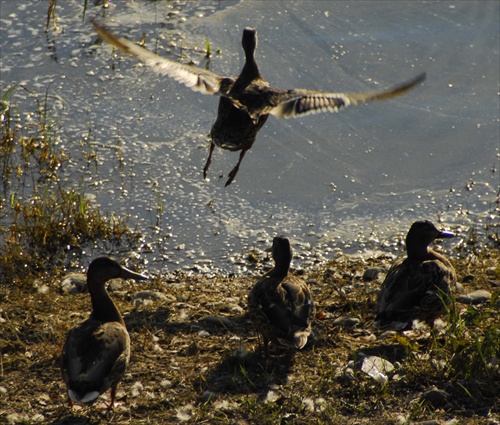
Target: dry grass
{"x": 196, "y": 357}
{"x": 194, "y": 354}
{"x": 44, "y": 218}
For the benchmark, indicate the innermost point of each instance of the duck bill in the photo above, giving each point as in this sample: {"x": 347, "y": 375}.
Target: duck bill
{"x": 446, "y": 235}
{"x": 129, "y": 274}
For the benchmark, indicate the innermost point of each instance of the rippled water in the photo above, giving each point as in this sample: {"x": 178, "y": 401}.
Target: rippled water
{"x": 352, "y": 181}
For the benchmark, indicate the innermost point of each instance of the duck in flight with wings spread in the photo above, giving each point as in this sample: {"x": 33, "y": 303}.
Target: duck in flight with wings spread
{"x": 247, "y": 101}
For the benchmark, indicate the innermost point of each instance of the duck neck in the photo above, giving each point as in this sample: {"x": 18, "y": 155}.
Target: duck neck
{"x": 103, "y": 307}
{"x": 251, "y": 68}
{"x": 424, "y": 254}
{"x": 418, "y": 253}
{"x": 437, "y": 256}
{"x": 280, "y": 270}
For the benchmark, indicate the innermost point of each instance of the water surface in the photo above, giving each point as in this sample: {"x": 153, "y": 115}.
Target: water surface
{"x": 352, "y": 181}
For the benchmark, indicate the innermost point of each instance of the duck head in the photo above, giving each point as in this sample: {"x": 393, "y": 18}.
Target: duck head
{"x": 420, "y": 236}
{"x": 281, "y": 251}
{"x": 105, "y": 268}
{"x": 249, "y": 41}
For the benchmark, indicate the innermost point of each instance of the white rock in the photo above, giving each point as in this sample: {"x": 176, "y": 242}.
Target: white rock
{"x": 377, "y": 368}
{"x": 185, "y": 413}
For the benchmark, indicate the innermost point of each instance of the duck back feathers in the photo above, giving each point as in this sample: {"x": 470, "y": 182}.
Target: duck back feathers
{"x": 418, "y": 287}
{"x": 281, "y": 306}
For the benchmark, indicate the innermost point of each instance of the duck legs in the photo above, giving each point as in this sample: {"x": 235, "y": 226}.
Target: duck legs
{"x": 209, "y": 160}
{"x": 233, "y": 172}
{"x": 236, "y": 168}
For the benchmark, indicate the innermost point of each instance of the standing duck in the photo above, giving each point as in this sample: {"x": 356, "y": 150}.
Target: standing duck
{"x": 247, "y": 101}
{"x": 281, "y": 306}
{"x": 97, "y": 351}
{"x": 417, "y": 287}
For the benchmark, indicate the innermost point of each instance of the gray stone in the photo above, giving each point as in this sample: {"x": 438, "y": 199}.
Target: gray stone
{"x": 372, "y": 273}
{"x": 151, "y": 295}
{"x": 468, "y": 278}
{"x": 74, "y": 283}
{"x": 493, "y": 271}
{"x": 346, "y": 321}
{"x": 220, "y": 321}
{"x": 436, "y": 397}
{"x": 476, "y": 297}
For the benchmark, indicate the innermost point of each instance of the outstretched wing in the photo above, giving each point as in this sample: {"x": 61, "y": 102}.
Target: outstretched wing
{"x": 300, "y": 102}
{"x": 197, "y": 79}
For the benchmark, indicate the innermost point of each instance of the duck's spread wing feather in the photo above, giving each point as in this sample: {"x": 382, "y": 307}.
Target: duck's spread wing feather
{"x": 300, "y": 102}
{"x": 94, "y": 357}
{"x": 196, "y": 78}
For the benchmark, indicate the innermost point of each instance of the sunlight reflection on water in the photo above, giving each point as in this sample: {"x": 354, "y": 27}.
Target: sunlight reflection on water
{"x": 352, "y": 181}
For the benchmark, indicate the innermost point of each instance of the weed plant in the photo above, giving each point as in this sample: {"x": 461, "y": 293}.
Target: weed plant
{"x": 42, "y": 215}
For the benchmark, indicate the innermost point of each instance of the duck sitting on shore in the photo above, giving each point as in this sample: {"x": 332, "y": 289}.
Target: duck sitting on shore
{"x": 419, "y": 286}
{"x": 97, "y": 351}
{"x": 280, "y": 306}
{"x": 247, "y": 100}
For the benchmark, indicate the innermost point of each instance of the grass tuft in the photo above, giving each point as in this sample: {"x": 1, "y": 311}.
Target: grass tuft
{"x": 42, "y": 216}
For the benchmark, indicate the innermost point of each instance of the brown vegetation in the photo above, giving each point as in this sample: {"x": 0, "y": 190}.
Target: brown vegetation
{"x": 195, "y": 356}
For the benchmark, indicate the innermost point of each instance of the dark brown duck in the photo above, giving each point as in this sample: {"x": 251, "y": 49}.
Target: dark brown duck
{"x": 419, "y": 286}
{"x": 247, "y": 101}
{"x": 97, "y": 351}
{"x": 280, "y": 305}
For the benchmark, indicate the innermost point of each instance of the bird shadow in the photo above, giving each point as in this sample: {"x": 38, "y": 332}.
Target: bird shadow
{"x": 159, "y": 320}
{"x": 236, "y": 373}
{"x": 248, "y": 374}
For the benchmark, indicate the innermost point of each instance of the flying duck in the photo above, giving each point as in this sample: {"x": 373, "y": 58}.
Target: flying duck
{"x": 247, "y": 100}
{"x": 97, "y": 351}
{"x": 419, "y": 286}
{"x": 280, "y": 306}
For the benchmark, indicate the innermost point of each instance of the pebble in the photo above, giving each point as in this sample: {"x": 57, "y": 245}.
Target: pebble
{"x": 136, "y": 389}
{"x": 115, "y": 284}
{"x": 15, "y": 418}
{"x": 332, "y": 274}
{"x": 476, "y": 297}
{"x": 436, "y": 397}
{"x": 468, "y": 278}
{"x": 37, "y": 418}
{"x": 346, "y": 321}
{"x": 74, "y": 283}
{"x": 349, "y": 372}
{"x": 372, "y": 273}
{"x": 493, "y": 271}
{"x": 272, "y": 397}
{"x": 184, "y": 413}
{"x": 218, "y": 321}
{"x": 166, "y": 383}
{"x": 377, "y": 367}
{"x": 151, "y": 295}
{"x": 206, "y": 396}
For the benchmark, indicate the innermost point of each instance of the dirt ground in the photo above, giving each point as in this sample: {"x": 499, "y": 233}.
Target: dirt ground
{"x": 195, "y": 357}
